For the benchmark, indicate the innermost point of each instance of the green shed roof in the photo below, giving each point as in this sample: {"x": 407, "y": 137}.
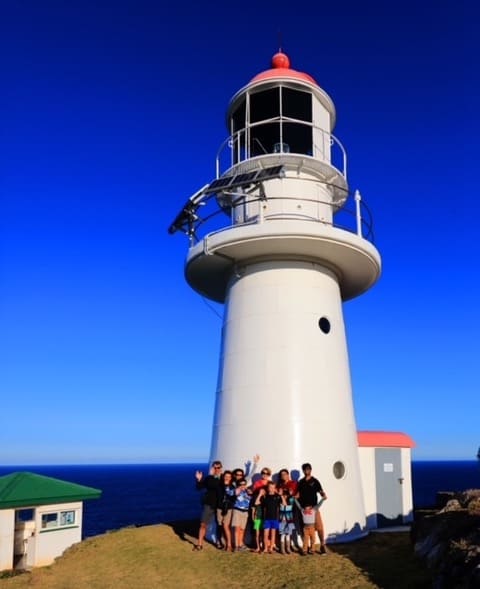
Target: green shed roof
{"x": 22, "y": 489}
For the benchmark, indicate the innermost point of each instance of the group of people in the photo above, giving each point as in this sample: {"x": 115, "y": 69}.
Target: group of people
{"x": 277, "y": 513}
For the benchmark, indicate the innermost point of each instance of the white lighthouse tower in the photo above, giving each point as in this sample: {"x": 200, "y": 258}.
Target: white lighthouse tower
{"x": 283, "y": 265}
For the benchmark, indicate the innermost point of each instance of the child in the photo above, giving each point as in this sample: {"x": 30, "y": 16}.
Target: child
{"x": 240, "y": 513}
{"x": 287, "y": 525}
{"x": 270, "y": 501}
{"x": 257, "y": 519}
{"x": 308, "y": 516}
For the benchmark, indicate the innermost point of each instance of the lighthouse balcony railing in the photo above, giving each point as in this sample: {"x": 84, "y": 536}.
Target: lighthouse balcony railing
{"x": 281, "y": 135}
{"x": 353, "y": 216}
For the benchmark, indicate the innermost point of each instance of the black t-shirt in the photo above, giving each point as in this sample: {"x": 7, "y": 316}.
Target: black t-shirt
{"x": 211, "y": 485}
{"x": 271, "y": 506}
{"x": 307, "y": 490}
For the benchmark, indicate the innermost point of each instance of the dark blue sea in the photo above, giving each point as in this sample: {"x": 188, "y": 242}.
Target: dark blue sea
{"x": 143, "y": 494}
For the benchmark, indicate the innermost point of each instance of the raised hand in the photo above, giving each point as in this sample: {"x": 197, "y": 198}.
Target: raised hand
{"x": 199, "y": 475}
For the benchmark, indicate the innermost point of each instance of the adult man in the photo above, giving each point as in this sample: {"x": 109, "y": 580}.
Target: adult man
{"x": 308, "y": 489}
{"x": 210, "y": 484}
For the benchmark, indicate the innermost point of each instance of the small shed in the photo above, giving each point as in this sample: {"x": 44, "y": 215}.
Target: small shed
{"x": 385, "y": 464}
{"x": 40, "y": 517}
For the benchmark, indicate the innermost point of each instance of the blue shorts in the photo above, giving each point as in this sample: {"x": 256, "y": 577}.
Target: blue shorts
{"x": 270, "y": 524}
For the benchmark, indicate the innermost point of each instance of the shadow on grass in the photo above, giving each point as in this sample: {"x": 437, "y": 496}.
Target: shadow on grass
{"x": 388, "y": 560}
{"x": 186, "y": 528}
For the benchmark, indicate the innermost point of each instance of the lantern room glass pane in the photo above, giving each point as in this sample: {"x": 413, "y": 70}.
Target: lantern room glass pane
{"x": 263, "y": 138}
{"x": 265, "y": 105}
{"x": 238, "y": 117}
{"x": 297, "y": 104}
{"x": 298, "y": 137}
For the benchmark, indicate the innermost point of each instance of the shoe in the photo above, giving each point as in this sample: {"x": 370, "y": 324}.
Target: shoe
{"x": 323, "y": 550}
{"x": 197, "y": 548}
{"x": 310, "y": 551}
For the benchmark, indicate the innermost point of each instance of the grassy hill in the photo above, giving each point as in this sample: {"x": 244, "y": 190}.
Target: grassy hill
{"x": 161, "y": 556}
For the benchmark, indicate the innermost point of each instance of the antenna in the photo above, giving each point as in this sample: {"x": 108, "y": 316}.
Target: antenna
{"x": 279, "y": 33}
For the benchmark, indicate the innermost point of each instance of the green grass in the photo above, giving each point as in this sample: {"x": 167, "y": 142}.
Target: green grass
{"x": 153, "y": 557}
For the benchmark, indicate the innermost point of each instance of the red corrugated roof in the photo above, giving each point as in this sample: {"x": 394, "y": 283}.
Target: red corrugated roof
{"x": 385, "y": 440}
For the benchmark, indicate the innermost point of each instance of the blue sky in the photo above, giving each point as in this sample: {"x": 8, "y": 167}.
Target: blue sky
{"x": 112, "y": 113}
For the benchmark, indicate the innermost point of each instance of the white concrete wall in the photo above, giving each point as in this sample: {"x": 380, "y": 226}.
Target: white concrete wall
{"x": 407, "y": 493}
{"x": 367, "y": 468}
{"x": 52, "y": 542}
{"x": 321, "y": 134}
{"x": 367, "y": 471}
{"x": 7, "y": 524}
{"x": 284, "y": 386}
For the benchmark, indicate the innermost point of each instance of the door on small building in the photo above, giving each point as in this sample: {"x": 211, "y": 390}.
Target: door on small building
{"x": 389, "y": 480}
{"x": 24, "y": 532}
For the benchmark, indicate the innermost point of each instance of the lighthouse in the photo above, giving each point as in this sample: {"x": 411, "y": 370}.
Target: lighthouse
{"x": 282, "y": 256}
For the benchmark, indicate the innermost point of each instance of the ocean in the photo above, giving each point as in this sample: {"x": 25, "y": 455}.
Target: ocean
{"x": 143, "y": 494}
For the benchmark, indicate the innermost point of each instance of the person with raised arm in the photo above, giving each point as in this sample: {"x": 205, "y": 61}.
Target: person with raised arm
{"x": 247, "y": 472}
{"x": 210, "y": 484}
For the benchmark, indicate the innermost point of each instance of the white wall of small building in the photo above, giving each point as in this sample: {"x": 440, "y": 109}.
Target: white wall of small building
{"x": 368, "y": 476}
{"x": 41, "y": 545}
{"x": 50, "y": 543}
{"x": 7, "y": 523}
{"x": 407, "y": 486}
{"x": 367, "y": 471}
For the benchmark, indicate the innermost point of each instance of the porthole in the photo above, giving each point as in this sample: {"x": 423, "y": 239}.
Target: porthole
{"x": 324, "y": 324}
{"x": 339, "y": 470}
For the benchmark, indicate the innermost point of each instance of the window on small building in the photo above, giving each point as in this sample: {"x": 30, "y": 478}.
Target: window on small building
{"x": 24, "y": 515}
{"x": 58, "y": 519}
{"x": 49, "y": 520}
{"x": 67, "y": 518}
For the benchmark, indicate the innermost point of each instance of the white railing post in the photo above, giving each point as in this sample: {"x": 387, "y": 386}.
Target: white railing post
{"x": 358, "y": 199}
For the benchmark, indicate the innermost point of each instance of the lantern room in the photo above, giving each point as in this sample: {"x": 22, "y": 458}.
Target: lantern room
{"x": 281, "y": 111}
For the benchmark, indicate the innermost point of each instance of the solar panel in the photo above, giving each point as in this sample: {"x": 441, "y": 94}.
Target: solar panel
{"x": 267, "y": 173}
{"x": 219, "y": 184}
{"x": 186, "y": 219}
{"x": 244, "y": 179}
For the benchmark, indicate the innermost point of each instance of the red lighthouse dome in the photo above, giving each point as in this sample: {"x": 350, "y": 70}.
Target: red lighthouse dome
{"x": 281, "y": 69}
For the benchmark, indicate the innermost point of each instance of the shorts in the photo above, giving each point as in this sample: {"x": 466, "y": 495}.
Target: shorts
{"x": 208, "y": 515}
{"x": 286, "y": 528}
{"x": 257, "y": 524}
{"x": 239, "y": 519}
{"x": 224, "y": 519}
{"x": 271, "y": 524}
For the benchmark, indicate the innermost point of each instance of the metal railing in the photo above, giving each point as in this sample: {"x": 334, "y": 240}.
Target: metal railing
{"x": 244, "y": 145}
{"x": 353, "y": 216}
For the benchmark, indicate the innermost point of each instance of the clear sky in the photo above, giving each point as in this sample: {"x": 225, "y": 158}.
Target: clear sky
{"x": 112, "y": 113}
